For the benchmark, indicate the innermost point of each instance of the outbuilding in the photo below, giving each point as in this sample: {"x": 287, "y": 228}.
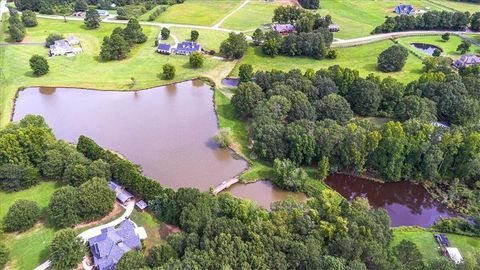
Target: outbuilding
{"x": 454, "y": 254}
{"x": 164, "y": 48}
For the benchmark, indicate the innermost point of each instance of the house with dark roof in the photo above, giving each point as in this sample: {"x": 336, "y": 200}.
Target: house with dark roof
{"x": 404, "y": 9}
{"x": 109, "y": 246}
{"x": 122, "y": 195}
{"x": 186, "y": 48}
{"x": 285, "y": 28}
{"x": 467, "y": 60}
{"x": 333, "y": 28}
{"x": 164, "y": 48}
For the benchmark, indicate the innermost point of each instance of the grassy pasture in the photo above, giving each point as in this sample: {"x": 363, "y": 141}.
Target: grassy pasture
{"x": 449, "y": 47}
{"x": 251, "y": 16}
{"x": 198, "y": 12}
{"x": 209, "y": 39}
{"x": 457, "y": 5}
{"x": 362, "y": 58}
{"x": 85, "y": 70}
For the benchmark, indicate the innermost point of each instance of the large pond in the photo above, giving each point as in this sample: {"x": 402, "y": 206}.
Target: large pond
{"x": 167, "y": 130}
{"x": 406, "y": 203}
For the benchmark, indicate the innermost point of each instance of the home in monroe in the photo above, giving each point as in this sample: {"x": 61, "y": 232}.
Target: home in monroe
{"x": 466, "y": 60}
{"x": 68, "y": 47}
{"x": 285, "y": 28}
{"x": 113, "y": 242}
{"x": 182, "y": 48}
{"x": 404, "y": 9}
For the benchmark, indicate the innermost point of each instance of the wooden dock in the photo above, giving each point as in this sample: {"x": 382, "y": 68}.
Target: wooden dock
{"x": 224, "y": 185}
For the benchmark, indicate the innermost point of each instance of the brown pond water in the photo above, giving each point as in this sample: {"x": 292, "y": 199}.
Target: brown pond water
{"x": 263, "y": 192}
{"x": 406, "y": 203}
{"x": 167, "y": 130}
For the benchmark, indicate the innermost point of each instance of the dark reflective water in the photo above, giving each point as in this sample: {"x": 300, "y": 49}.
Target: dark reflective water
{"x": 231, "y": 82}
{"x": 405, "y": 202}
{"x": 167, "y": 130}
{"x": 263, "y": 192}
{"x": 426, "y": 48}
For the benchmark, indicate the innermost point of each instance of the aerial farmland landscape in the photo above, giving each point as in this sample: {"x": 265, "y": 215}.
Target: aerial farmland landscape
{"x": 240, "y": 134}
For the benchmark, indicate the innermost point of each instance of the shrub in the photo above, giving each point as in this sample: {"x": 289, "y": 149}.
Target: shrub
{"x": 39, "y": 65}
{"x": 223, "y": 137}
{"x": 168, "y": 72}
{"x": 50, "y": 40}
{"x": 446, "y": 36}
{"x": 332, "y": 54}
{"x": 21, "y": 216}
{"x": 4, "y": 255}
{"x": 29, "y": 19}
{"x": 196, "y": 60}
{"x": 15, "y": 177}
{"x": 436, "y": 53}
{"x": 392, "y": 59}
{"x": 194, "y": 35}
{"x": 66, "y": 250}
{"x": 245, "y": 72}
{"x": 165, "y": 33}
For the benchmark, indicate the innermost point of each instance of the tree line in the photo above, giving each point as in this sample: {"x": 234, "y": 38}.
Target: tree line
{"x": 309, "y": 119}
{"x": 430, "y": 20}
{"x": 120, "y": 42}
{"x": 16, "y": 25}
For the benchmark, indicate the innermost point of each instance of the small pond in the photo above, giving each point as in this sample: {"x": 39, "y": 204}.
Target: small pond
{"x": 406, "y": 203}
{"x": 232, "y": 82}
{"x": 263, "y": 192}
{"x": 167, "y": 130}
{"x": 426, "y": 48}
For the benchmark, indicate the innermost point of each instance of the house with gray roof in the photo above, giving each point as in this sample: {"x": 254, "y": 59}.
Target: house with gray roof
{"x": 186, "y": 48}
{"x": 285, "y": 28}
{"x": 164, "y": 48}
{"x": 404, "y": 9}
{"x": 467, "y": 60}
{"x": 108, "y": 247}
{"x": 122, "y": 194}
{"x": 65, "y": 47}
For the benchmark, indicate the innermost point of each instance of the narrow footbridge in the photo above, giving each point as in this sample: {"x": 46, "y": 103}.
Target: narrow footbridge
{"x": 224, "y": 185}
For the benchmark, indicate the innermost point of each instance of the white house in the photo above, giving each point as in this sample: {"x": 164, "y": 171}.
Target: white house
{"x": 66, "y": 47}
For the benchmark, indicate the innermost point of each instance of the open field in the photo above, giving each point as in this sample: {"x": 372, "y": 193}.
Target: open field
{"x": 362, "y": 58}
{"x": 208, "y": 39}
{"x": 449, "y": 47}
{"x": 427, "y": 244}
{"x": 198, "y": 12}
{"x": 251, "y": 16}
{"x": 359, "y": 18}
{"x": 85, "y": 70}
{"x": 457, "y": 5}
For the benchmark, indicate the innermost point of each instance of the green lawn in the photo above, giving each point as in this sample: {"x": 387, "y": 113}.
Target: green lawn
{"x": 362, "y": 58}
{"x": 455, "y": 5}
{"x": 198, "y": 12}
{"x": 251, "y": 16}
{"x": 29, "y": 249}
{"x": 208, "y": 39}
{"x": 427, "y": 244}
{"x": 449, "y": 47}
{"x": 359, "y": 18}
{"x": 85, "y": 70}
{"x": 151, "y": 225}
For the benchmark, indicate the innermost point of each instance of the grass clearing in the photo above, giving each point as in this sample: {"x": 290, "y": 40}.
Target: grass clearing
{"x": 198, "y": 12}
{"x": 84, "y": 70}
{"x": 251, "y": 16}
{"x": 151, "y": 225}
{"x": 208, "y": 39}
{"x": 427, "y": 244}
{"x": 362, "y": 58}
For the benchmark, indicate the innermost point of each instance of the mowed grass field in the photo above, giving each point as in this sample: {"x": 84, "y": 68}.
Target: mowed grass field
{"x": 359, "y": 18}
{"x": 85, "y": 70}
{"x": 198, "y": 12}
{"x": 362, "y": 58}
{"x": 429, "y": 247}
{"x": 29, "y": 249}
{"x": 458, "y": 5}
{"x": 209, "y": 39}
{"x": 252, "y": 16}
{"x": 449, "y": 47}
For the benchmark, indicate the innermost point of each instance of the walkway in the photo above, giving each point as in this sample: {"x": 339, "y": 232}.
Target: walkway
{"x": 224, "y": 185}
{"x": 96, "y": 230}
{"x": 216, "y": 26}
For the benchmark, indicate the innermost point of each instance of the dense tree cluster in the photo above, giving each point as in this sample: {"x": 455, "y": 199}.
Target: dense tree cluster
{"x": 92, "y": 19}
{"x": 392, "y": 59}
{"x": 29, "y": 19}
{"x": 21, "y": 216}
{"x": 307, "y": 118}
{"x": 430, "y": 20}
{"x": 235, "y": 46}
{"x": 16, "y": 29}
{"x": 120, "y": 42}
{"x": 66, "y": 250}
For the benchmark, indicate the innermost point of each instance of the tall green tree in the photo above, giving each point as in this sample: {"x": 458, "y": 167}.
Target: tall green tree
{"x": 246, "y": 98}
{"x": 63, "y": 209}
{"x": 66, "y": 250}
{"x": 288, "y": 176}
{"x": 392, "y": 59}
{"x": 29, "y": 19}
{"x": 245, "y": 72}
{"x": 235, "y": 46}
{"x": 92, "y": 19}
{"x": 194, "y": 35}
{"x": 133, "y": 32}
{"x": 21, "y": 216}
{"x": 39, "y": 65}
{"x": 80, "y": 6}
{"x": 131, "y": 260}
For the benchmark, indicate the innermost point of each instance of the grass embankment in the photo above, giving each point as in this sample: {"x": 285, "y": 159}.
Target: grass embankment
{"x": 85, "y": 70}
{"x": 427, "y": 244}
{"x": 449, "y": 47}
{"x": 251, "y": 16}
{"x": 198, "y": 12}
{"x": 359, "y": 18}
{"x": 362, "y": 58}
{"x": 30, "y": 248}
{"x": 151, "y": 225}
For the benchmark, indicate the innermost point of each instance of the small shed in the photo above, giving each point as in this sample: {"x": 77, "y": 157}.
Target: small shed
{"x": 124, "y": 196}
{"x": 454, "y": 254}
{"x": 164, "y": 48}
{"x": 333, "y": 28}
{"x": 141, "y": 205}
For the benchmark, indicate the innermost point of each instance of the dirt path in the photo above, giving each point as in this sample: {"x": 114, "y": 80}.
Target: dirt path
{"x": 217, "y": 25}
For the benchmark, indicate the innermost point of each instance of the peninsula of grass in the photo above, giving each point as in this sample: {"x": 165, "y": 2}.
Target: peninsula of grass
{"x": 449, "y": 47}
{"x": 85, "y": 70}
{"x": 251, "y": 16}
{"x": 362, "y": 58}
{"x": 198, "y": 12}
{"x": 427, "y": 245}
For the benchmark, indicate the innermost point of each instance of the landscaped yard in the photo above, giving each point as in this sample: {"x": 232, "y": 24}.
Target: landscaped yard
{"x": 198, "y": 12}
{"x": 362, "y": 58}
{"x": 449, "y": 47}
{"x": 427, "y": 244}
{"x": 208, "y": 39}
{"x": 85, "y": 70}
{"x": 151, "y": 225}
{"x": 251, "y": 16}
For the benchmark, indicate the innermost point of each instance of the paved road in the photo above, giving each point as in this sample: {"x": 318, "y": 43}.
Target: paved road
{"x": 96, "y": 231}
{"x": 216, "y": 26}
